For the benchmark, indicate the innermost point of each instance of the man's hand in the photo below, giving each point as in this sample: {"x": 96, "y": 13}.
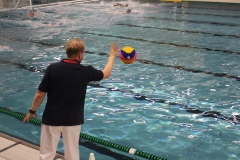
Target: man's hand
{"x": 114, "y": 49}
{"x": 28, "y": 116}
{"x": 108, "y": 67}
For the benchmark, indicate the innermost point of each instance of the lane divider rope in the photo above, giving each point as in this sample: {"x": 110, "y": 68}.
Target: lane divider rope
{"x": 87, "y": 137}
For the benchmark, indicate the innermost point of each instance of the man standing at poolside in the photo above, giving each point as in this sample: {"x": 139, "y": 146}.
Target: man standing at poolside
{"x": 65, "y": 83}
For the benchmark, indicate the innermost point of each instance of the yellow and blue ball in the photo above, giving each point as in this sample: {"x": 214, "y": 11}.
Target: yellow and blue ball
{"x": 128, "y": 55}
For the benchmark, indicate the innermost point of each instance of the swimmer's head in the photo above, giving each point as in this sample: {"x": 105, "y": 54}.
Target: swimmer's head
{"x": 31, "y": 14}
{"x": 129, "y": 10}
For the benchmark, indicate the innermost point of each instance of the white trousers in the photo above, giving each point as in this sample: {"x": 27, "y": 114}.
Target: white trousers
{"x": 50, "y": 136}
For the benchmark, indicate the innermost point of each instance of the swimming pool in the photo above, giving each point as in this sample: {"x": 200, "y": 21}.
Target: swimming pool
{"x": 188, "y": 63}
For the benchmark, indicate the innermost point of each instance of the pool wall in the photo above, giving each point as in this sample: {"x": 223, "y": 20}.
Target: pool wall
{"x": 11, "y": 3}
{"x": 220, "y": 1}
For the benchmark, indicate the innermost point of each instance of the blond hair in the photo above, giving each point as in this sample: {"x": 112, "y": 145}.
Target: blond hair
{"x": 74, "y": 46}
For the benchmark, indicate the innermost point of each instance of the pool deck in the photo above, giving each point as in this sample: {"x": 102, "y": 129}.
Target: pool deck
{"x": 13, "y": 148}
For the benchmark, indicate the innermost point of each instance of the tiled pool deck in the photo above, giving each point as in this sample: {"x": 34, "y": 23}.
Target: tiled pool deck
{"x": 13, "y": 148}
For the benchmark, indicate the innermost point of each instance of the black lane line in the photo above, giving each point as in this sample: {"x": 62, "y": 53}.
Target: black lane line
{"x": 184, "y": 31}
{"x": 223, "y": 75}
{"x": 158, "y": 42}
{"x": 234, "y": 119}
{"x": 121, "y": 37}
{"x": 201, "y": 14}
{"x": 31, "y": 41}
{"x": 136, "y": 39}
{"x": 31, "y": 68}
{"x": 189, "y": 5}
{"x": 193, "y": 21}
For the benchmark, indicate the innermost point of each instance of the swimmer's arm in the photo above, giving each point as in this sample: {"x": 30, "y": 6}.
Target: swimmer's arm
{"x": 118, "y": 4}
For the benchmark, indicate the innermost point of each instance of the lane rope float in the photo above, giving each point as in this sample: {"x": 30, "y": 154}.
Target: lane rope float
{"x": 87, "y": 137}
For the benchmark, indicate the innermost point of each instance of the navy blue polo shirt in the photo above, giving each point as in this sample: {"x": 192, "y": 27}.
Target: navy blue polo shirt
{"x": 65, "y": 83}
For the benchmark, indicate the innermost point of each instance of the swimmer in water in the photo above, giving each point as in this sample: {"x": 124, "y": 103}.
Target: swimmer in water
{"x": 120, "y": 5}
{"x": 54, "y": 24}
{"x": 128, "y": 11}
{"x": 31, "y": 14}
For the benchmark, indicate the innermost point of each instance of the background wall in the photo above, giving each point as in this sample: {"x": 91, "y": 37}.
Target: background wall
{"x": 223, "y": 1}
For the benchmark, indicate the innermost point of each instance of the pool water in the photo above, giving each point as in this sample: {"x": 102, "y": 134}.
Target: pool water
{"x": 188, "y": 63}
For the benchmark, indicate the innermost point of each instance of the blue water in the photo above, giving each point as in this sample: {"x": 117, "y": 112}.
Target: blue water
{"x": 200, "y": 36}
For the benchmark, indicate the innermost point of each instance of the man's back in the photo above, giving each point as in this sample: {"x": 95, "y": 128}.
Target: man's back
{"x": 66, "y": 83}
